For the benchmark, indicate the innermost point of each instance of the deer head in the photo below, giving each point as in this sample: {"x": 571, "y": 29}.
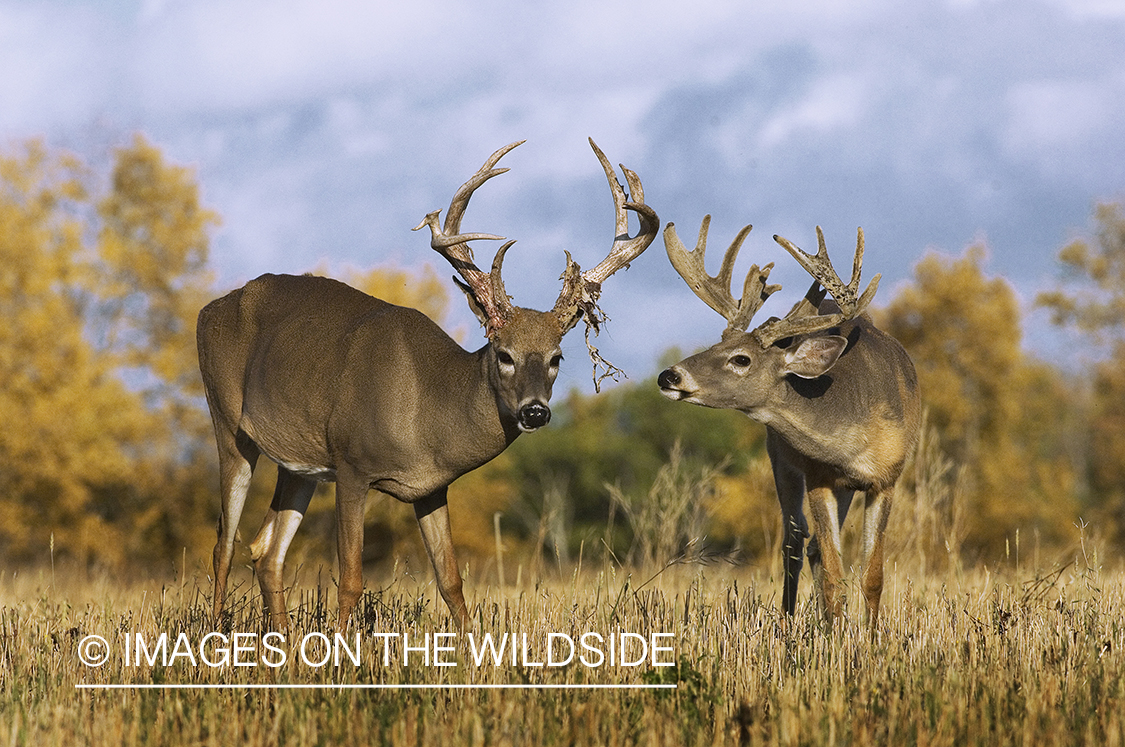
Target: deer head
{"x": 525, "y": 343}
{"x": 746, "y": 368}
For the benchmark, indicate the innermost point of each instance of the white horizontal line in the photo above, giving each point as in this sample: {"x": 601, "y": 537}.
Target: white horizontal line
{"x": 451, "y": 686}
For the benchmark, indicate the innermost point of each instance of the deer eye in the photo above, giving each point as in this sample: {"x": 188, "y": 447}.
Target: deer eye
{"x": 740, "y": 360}
{"x": 504, "y": 358}
{"x": 556, "y": 360}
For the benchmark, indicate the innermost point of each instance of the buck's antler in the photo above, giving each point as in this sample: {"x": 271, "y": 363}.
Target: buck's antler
{"x": 486, "y": 287}
{"x": 581, "y": 290}
{"x": 820, "y": 267}
{"x": 715, "y": 291}
{"x": 804, "y": 320}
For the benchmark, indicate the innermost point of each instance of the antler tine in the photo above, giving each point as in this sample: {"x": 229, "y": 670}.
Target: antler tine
{"x": 497, "y": 281}
{"x": 715, "y": 291}
{"x": 799, "y": 320}
{"x": 625, "y": 248}
{"x": 440, "y": 242}
{"x": 820, "y": 267}
{"x": 869, "y": 292}
{"x": 447, "y": 236}
{"x": 581, "y": 289}
{"x": 755, "y": 291}
{"x": 460, "y": 199}
{"x": 691, "y": 266}
{"x": 487, "y": 288}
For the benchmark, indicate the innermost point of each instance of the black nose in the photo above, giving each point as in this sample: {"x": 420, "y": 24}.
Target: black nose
{"x": 535, "y": 415}
{"x": 668, "y": 379}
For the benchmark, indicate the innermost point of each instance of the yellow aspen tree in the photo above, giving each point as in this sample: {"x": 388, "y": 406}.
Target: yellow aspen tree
{"x": 100, "y": 282}
{"x": 153, "y": 274}
{"x": 986, "y": 400}
{"x": 1091, "y": 299}
{"x": 152, "y": 277}
{"x": 70, "y": 423}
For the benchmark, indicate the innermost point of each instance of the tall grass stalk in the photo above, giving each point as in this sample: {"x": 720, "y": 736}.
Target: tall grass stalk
{"x": 971, "y": 662}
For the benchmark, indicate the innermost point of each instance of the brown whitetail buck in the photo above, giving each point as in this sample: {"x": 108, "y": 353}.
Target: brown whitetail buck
{"x": 838, "y": 397}
{"x": 332, "y": 384}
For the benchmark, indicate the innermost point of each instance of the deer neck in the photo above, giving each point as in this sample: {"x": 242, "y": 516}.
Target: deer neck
{"x": 799, "y": 415}
{"x": 469, "y": 426}
{"x": 850, "y": 429}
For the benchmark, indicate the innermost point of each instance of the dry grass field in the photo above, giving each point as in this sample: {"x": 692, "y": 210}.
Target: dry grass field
{"x": 983, "y": 658}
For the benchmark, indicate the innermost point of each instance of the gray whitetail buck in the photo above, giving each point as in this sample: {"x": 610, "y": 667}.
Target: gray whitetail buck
{"x": 838, "y": 397}
{"x": 332, "y": 384}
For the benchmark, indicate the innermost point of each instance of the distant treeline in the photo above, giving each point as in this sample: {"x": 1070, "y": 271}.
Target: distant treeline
{"x": 107, "y": 454}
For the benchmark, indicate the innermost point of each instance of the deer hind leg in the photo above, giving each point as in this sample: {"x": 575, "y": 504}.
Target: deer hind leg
{"x": 351, "y": 497}
{"x": 433, "y": 519}
{"x": 877, "y": 509}
{"x": 843, "y": 503}
{"x": 237, "y": 457}
{"x": 824, "y": 556}
{"x": 290, "y": 501}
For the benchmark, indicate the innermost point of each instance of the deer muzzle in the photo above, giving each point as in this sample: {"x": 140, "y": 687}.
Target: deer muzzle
{"x": 676, "y": 383}
{"x": 533, "y": 416}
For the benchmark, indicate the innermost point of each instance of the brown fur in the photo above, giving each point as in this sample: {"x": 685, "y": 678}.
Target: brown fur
{"x": 332, "y": 384}
{"x": 850, "y": 428}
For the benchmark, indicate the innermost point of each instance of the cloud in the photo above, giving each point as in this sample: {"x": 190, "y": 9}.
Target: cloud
{"x": 41, "y": 50}
{"x": 834, "y": 103}
{"x": 1056, "y": 121}
{"x": 245, "y": 54}
{"x": 1092, "y": 9}
{"x": 326, "y": 129}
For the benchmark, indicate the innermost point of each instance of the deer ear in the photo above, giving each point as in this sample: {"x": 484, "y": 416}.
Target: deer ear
{"x": 473, "y": 303}
{"x": 814, "y": 356}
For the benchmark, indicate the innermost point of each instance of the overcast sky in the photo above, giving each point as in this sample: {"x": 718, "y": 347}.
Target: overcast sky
{"x": 323, "y": 130}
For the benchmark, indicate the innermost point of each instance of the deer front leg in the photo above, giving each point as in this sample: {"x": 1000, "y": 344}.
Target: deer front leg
{"x": 876, "y": 511}
{"x": 351, "y": 496}
{"x": 790, "y": 485}
{"x": 827, "y": 566}
{"x": 290, "y": 501}
{"x": 433, "y": 519}
{"x": 793, "y": 546}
